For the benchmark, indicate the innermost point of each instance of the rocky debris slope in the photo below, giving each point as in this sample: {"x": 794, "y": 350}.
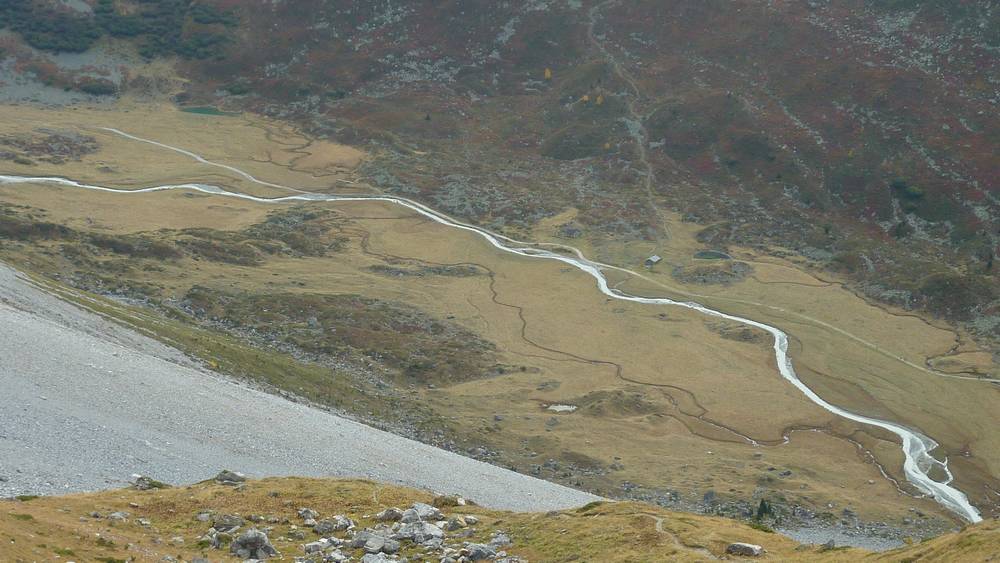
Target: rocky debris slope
{"x": 422, "y": 528}
{"x": 199, "y": 421}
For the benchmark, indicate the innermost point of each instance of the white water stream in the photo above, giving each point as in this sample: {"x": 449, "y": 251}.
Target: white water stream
{"x": 916, "y": 447}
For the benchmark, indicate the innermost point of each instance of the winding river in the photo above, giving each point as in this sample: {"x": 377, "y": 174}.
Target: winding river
{"x": 917, "y": 447}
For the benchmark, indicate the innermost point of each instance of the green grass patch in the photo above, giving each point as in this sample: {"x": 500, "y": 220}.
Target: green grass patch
{"x": 209, "y": 110}
{"x": 590, "y": 506}
{"x": 712, "y": 255}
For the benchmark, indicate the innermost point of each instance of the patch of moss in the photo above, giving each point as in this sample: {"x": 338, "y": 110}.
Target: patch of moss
{"x": 418, "y": 345}
{"x": 22, "y": 517}
{"x": 575, "y": 142}
{"x": 208, "y": 110}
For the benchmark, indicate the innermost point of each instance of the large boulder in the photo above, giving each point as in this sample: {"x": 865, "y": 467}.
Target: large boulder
{"x": 253, "y": 544}
{"x": 317, "y": 546}
{"x": 390, "y": 515}
{"x": 479, "y": 552}
{"x": 381, "y": 544}
{"x": 227, "y": 522}
{"x": 421, "y": 512}
{"x": 745, "y": 549}
{"x": 232, "y": 478}
{"x": 427, "y": 512}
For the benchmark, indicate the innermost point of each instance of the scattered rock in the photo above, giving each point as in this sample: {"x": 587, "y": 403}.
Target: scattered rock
{"x": 144, "y": 483}
{"x": 445, "y": 501}
{"x": 418, "y": 532}
{"x": 500, "y": 539}
{"x": 118, "y": 516}
{"x": 360, "y": 539}
{"x": 427, "y": 512}
{"x": 317, "y": 546}
{"x": 478, "y": 552}
{"x": 746, "y": 549}
{"x": 216, "y": 539}
{"x": 723, "y": 273}
{"x": 377, "y": 558}
{"x": 455, "y": 523}
{"x": 381, "y": 544}
{"x": 227, "y": 522}
{"x": 308, "y": 514}
{"x": 253, "y": 544}
{"x": 389, "y": 515}
{"x": 338, "y": 523}
{"x": 230, "y": 478}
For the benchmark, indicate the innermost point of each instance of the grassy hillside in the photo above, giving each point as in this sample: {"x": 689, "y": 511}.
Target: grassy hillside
{"x": 434, "y": 334}
{"x": 158, "y": 523}
{"x": 850, "y": 133}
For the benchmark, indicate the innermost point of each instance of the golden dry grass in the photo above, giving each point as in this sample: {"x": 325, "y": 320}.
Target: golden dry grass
{"x": 683, "y": 434}
{"x": 261, "y": 147}
{"x": 62, "y": 528}
{"x": 861, "y": 370}
{"x": 690, "y": 398}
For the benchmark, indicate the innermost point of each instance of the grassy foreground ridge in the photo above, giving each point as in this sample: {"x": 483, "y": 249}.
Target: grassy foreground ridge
{"x": 163, "y": 522}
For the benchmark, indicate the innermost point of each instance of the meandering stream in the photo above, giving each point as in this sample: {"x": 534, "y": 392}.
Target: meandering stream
{"x": 917, "y": 447}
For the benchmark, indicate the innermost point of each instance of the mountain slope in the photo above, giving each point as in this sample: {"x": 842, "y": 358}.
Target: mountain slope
{"x": 118, "y": 403}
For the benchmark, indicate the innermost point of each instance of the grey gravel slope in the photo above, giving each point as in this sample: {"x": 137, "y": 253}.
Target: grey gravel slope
{"x": 85, "y": 403}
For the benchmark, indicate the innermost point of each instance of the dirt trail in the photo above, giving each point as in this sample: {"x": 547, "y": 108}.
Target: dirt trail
{"x": 636, "y": 124}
